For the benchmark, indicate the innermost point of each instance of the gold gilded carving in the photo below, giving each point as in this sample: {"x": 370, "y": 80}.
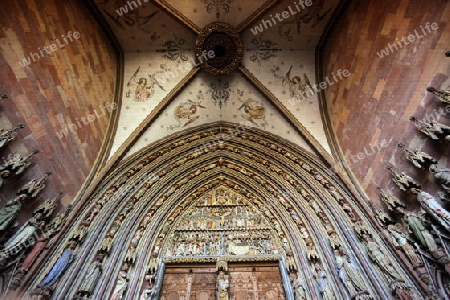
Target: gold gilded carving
{"x": 221, "y": 223}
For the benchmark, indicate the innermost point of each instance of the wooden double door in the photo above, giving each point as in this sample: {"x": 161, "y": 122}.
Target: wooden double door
{"x": 258, "y": 281}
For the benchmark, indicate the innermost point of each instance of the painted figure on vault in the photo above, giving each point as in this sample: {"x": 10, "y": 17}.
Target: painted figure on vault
{"x": 144, "y": 89}
{"x": 254, "y": 110}
{"x": 187, "y": 111}
{"x": 298, "y": 87}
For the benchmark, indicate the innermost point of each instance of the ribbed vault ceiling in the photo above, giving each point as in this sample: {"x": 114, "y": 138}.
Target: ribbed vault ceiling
{"x": 278, "y": 61}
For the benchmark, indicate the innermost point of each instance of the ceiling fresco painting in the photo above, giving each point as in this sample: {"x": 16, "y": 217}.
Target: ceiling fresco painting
{"x": 204, "y": 12}
{"x": 280, "y": 57}
{"x": 211, "y": 99}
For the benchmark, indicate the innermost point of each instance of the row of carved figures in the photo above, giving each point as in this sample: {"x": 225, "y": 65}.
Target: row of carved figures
{"x": 20, "y": 246}
{"x": 347, "y": 269}
{"x": 14, "y": 165}
{"x": 424, "y": 236}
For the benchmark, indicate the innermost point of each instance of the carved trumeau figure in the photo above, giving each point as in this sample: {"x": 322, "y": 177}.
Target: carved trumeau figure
{"x": 443, "y": 96}
{"x": 222, "y": 286}
{"x": 7, "y": 135}
{"x": 403, "y": 181}
{"x": 33, "y": 187}
{"x": 433, "y": 129}
{"x": 418, "y": 158}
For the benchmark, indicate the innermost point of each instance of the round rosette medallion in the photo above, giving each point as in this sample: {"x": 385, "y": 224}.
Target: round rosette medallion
{"x": 225, "y": 42}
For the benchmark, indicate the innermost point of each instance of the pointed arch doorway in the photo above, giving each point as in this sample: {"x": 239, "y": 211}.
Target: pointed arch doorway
{"x": 222, "y": 247}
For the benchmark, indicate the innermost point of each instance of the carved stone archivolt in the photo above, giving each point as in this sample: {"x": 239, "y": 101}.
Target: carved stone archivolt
{"x": 259, "y": 198}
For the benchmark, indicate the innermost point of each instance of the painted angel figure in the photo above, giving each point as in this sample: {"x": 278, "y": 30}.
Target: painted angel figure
{"x": 254, "y": 110}
{"x": 144, "y": 89}
{"x": 298, "y": 87}
{"x": 187, "y": 111}
{"x": 433, "y": 129}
